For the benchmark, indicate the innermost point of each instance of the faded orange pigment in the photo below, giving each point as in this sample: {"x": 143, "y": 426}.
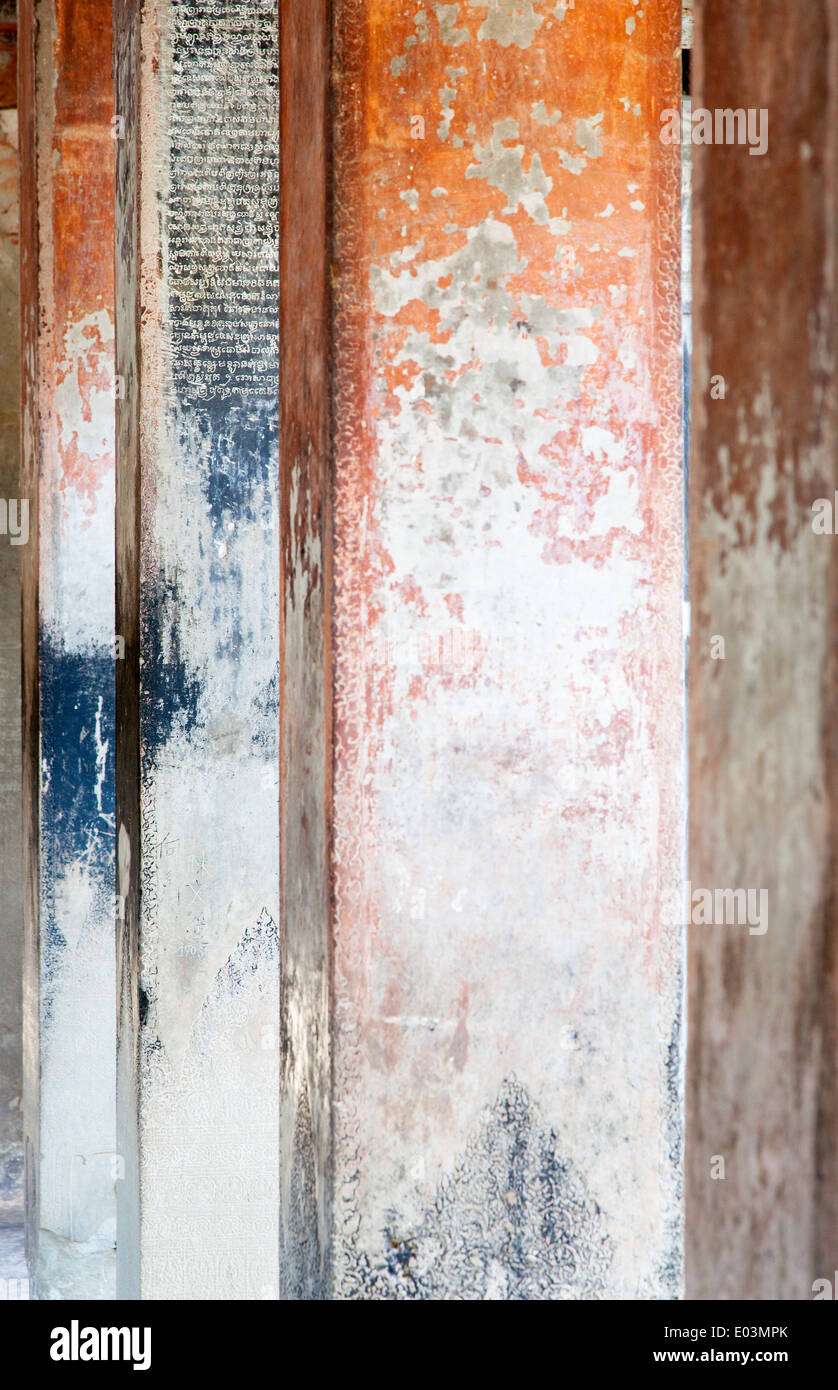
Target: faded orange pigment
{"x": 507, "y": 642}
{"x": 78, "y": 242}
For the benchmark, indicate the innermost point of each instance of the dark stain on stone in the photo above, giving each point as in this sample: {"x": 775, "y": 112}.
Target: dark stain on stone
{"x": 72, "y": 685}
{"x": 302, "y": 1275}
{"x": 513, "y": 1222}
{"x": 170, "y": 690}
{"x": 77, "y": 691}
{"x": 674, "y": 1068}
{"x": 242, "y": 443}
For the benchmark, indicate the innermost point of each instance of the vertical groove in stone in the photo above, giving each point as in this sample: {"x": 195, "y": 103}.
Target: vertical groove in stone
{"x": 127, "y": 295}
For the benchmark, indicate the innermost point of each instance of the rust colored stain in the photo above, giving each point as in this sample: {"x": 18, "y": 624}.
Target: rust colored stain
{"x": 793, "y": 278}
{"x": 552, "y": 264}
{"x": 507, "y": 567}
{"x": 79, "y": 173}
{"x": 397, "y": 145}
{"x": 8, "y": 64}
{"x": 305, "y": 793}
{"x": 9, "y": 185}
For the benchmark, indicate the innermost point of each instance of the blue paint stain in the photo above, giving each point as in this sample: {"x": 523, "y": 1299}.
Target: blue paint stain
{"x": 223, "y": 292}
{"x": 77, "y": 798}
{"x": 170, "y": 689}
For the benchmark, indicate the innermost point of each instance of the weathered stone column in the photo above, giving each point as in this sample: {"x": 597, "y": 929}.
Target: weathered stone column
{"x": 11, "y": 922}
{"x": 68, "y": 643}
{"x": 305, "y": 647}
{"x": 505, "y": 730}
{"x": 197, "y": 602}
{"x": 763, "y": 1103}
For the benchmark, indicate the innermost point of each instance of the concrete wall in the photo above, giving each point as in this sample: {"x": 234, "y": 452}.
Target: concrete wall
{"x": 68, "y": 405}
{"x": 762, "y": 1090}
{"x": 507, "y": 807}
{"x": 11, "y": 910}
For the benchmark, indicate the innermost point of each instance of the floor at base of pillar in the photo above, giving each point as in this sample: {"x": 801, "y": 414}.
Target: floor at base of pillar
{"x": 75, "y": 1269}
{"x": 14, "y": 1275}
{"x": 11, "y": 1185}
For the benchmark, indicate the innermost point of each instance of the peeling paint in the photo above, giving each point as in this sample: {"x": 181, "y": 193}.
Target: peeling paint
{"x": 504, "y": 469}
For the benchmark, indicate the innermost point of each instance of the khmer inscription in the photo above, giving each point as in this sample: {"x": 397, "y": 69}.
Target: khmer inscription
{"x": 222, "y": 243}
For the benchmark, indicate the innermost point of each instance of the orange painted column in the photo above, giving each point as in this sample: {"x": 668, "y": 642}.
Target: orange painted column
{"x": 68, "y": 640}
{"x": 506, "y": 812}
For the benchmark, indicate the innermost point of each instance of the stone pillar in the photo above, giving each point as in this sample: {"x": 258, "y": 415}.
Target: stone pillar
{"x": 11, "y": 922}
{"x": 197, "y": 602}
{"x": 305, "y": 646}
{"x": 763, "y": 1112}
{"x": 503, "y": 716}
{"x": 11, "y": 954}
{"x": 68, "y": 627}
